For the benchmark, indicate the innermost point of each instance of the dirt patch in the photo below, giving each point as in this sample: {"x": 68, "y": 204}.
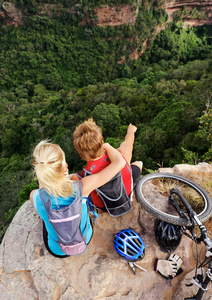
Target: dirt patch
{"x": 12, "y": 15}
{"x": 115, "y": 16}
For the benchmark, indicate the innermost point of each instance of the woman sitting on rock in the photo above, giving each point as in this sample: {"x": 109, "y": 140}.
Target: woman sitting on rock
{"x": 52, "y": 172}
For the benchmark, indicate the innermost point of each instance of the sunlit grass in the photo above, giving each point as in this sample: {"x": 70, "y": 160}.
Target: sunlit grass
{"x": 206, "y": 184}
{"x": 165, "y": 185}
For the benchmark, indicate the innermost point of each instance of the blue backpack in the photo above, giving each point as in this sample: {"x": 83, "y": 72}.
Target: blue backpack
{"x": 66, "y": 222}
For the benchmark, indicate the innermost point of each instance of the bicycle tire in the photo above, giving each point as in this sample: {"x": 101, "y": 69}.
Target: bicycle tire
{"x": 203, "y": 216}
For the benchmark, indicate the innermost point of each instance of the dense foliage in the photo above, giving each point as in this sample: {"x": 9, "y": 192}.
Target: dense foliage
{"x": 55, "y": 73}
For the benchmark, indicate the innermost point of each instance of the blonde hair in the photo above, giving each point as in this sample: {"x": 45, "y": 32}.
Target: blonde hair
{"x": 88, "y": 140}
{"x": 50, "y": 165}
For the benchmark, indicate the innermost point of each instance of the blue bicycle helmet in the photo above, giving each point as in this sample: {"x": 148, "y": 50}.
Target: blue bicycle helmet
{"x": 129, "y": 245}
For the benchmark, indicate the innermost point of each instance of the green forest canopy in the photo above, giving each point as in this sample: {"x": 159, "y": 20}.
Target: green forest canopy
{"x": 55, "y": 73}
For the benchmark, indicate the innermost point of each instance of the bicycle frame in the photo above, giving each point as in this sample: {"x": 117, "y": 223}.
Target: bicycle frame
{"x": 203, "y": 238}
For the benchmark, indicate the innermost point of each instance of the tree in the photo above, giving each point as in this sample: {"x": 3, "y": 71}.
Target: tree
{"x": 107, "y": 117}
{"x": 205, "y": 131}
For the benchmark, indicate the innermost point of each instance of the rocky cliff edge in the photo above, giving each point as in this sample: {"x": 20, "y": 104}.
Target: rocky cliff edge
{"x": 29, "y": 272}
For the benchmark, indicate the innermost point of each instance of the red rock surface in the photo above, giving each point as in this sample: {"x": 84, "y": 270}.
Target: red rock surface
{"x": 115, "y": 16}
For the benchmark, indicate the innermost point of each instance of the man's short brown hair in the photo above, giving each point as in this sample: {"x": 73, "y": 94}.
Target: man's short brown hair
{"x": 88, "y": 140}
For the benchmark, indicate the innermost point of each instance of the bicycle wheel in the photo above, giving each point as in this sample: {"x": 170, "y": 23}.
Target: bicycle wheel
{"x": 153, "y": 190}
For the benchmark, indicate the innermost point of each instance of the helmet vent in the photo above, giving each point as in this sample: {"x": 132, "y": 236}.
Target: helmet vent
{"x": 122, "y": 236}
{"x": 128, "y": 233}
{"x": 138, "y": 242}
{"x": 120, "y": 242}
{"x": 120, "y": 248}
{"x": 131, "y": 251}
{"x": 130, "y": 243}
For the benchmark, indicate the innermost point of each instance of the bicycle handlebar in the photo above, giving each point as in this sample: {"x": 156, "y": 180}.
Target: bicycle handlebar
{"x": 206, "y": 240}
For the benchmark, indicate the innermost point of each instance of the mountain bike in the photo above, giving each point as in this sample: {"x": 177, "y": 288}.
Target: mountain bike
{"x": 178, "y": 200}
